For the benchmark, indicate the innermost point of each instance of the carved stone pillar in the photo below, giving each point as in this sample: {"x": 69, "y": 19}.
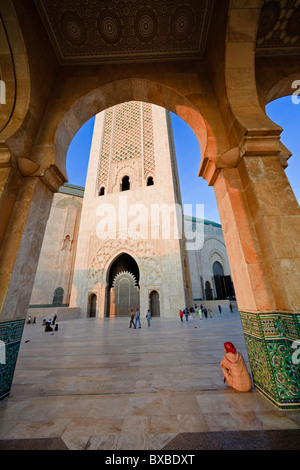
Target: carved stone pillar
{"x": 19, "y": 253}
{"x": 261, "y": 224}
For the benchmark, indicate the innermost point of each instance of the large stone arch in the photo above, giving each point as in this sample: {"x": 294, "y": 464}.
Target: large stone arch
{"x": 223, "y": 103}
{"x": 61, "y": 124}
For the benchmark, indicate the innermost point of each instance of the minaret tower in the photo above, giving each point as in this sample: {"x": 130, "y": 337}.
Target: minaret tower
{"x": 131, "y": 251}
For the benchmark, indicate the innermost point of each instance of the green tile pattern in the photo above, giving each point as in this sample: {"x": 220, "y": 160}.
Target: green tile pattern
{"x": 271, "y": 343}
{"x": 10, "y": 334}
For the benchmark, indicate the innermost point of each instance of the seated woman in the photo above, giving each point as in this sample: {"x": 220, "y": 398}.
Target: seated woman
{"x": 234, "y": 369}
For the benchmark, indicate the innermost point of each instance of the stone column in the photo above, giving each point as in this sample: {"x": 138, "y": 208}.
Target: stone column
{"x": 261, "y": 224}
{"x": 19, "y": 254}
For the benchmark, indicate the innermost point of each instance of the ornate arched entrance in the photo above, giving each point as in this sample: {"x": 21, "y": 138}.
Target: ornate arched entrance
{"x": 123, "y": 292}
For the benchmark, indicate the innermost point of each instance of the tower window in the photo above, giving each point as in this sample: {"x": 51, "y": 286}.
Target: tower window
{"x": 102, "y": 192}
{"x": 125, "y": 186}
{"x": 150, "y": 181}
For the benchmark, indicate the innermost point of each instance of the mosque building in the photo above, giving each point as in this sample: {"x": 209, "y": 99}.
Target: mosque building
{"x": 122, "y": 242}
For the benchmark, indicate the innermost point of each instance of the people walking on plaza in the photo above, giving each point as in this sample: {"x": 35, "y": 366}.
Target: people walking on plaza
{"x": 131, "y": 318}
{"x": 220, "y": 308}
{"x": 148, "y": 316}
{"x": 200, "y": 313}
{"x": 137, "y": 318}
{"x": 209, "y": 312}
{"x": 231, "y": 307}
{"x": 234, "y": 369}
{"x": 186, "y": 312}
{"x": 205, "y": 312}
{"x": 181, "y": 315}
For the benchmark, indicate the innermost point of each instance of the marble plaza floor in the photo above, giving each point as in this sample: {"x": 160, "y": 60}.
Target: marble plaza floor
{"x": 96, "y": 384}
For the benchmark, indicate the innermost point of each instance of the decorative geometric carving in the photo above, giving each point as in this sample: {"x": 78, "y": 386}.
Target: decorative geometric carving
{"x": 101, "y": 254}
{"x": 104, "y": 159}
{"x": 109, "y": 26}
{"x": 11, "y": 334}
{"x": 182, "y": 23}
{"x": 121, "y": 274}
{"x": 145, "y": 25}
{"x": 148, "y": 141}
{"x": 128, "y": 135}
{"x": 127, "y": 132}
{"x": 269, "y": 339}
{"x": 279, "y": 27}
{"x": 126, "y": 294}
{"x": 111, "y": 30}
{"x": 73, "y": 28}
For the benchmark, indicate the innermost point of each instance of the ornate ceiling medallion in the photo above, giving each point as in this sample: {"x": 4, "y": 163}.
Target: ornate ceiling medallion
{"x": 182, "y": 23}
{"x": 109, "y": 27}
{"x": 145, "y": 25}
{"x": 73, "y": 28}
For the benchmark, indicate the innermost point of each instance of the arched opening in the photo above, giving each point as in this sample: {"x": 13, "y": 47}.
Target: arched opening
{"x": 192, "y": 190}
{"x": 141, "y": 90}
{"x": 284, "y": 111}
{"x": 208, "y": 291}
{"x": 122, "y": 292}
{"x": 150, "y": 181}
{"x": 92, "y": 307}
{"x": 102, "y": 191}
{"x": 105, "y": 97}
{"x": 58, "y": 297}
{"x": 154, "y": 304}
{"x": 223, "y": 284}
{"x": 125, "y": 185}
{"x": 218, "y": 273}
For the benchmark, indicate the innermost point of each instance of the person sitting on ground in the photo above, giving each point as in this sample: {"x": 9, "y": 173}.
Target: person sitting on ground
{"x": 234, "y": 369}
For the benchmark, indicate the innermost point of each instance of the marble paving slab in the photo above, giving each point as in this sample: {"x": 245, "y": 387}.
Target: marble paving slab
{"x": 97, "y": 384}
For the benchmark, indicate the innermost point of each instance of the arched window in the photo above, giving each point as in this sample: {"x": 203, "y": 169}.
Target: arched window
{"x": 92, "y": 305}
{"x": 58, "y": 296}
{"x": 102, "y": 191}
{"x": 208, "y": 291}
{"x": 154, "y": 304}
{"x": 218, "y": 269}
{"x": 223, "y": 284}
{"x": 125, "y": 186}
{"x": 150, "y": 181}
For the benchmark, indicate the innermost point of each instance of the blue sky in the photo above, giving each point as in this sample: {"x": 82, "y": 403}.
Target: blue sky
{"x": 194, "y": 190}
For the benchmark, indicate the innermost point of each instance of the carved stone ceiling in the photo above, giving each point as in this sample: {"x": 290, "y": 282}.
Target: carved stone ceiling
{"x": 97, "y": 31}
{"x": 279, "y": 28}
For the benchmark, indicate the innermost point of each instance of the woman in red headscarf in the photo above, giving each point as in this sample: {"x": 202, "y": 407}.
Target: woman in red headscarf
{"x": 234, "y": 369}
